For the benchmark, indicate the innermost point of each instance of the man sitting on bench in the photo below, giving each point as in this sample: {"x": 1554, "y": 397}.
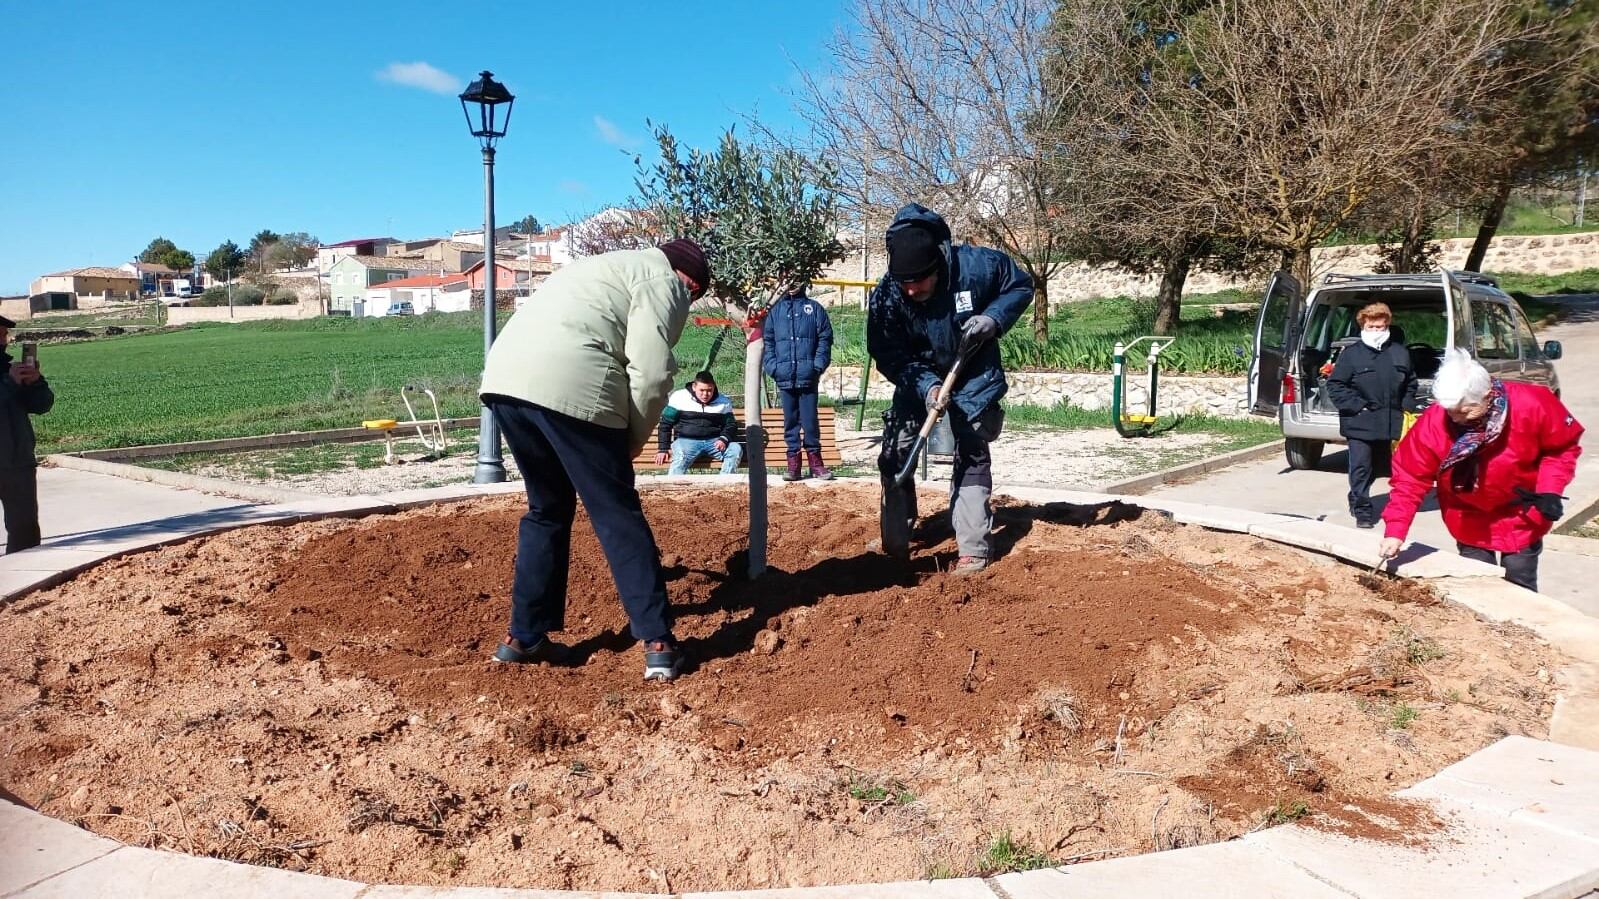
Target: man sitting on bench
{"x": 702, "y": 419}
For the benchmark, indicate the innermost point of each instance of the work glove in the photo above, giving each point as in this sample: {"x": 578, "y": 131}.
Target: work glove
{"x": 979, "y": 328}
{"x": 1549, "y": 505}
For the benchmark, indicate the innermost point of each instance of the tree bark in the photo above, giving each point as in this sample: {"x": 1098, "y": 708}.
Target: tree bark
{"x": 1299, "y": 266}
{"x": 1041, "y": 312}
{"x": 1489, "y": 227}
{"x": 1169, "y": 302}
{"x": 1412, "y": 244}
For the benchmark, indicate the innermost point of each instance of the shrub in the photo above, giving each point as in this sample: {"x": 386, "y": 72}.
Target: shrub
{"x": 283, "y": 298}
{"x": 248, "y": 296}
{"x": 212, "y": 296}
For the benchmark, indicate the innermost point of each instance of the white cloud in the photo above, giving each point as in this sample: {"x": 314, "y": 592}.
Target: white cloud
{"x": 613, "y": 135}
{"x": 422, "y": 75}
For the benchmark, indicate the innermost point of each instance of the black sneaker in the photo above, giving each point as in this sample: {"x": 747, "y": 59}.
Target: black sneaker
{"x": 1365, "y": 521}
{"x": 512, "y": 651}
{"x": 663, "y": 661}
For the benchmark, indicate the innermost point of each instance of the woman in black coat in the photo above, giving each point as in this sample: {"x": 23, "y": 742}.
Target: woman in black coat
{"x": 1372, "y": 385}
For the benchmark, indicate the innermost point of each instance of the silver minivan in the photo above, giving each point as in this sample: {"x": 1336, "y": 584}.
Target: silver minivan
{"x": 1298, "y": 337}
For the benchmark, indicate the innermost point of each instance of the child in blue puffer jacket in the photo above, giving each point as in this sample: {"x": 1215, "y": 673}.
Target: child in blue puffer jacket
{"x": 799, "y": 347}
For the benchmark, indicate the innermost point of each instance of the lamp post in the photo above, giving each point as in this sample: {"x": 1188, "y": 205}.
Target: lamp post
{"x": 481, "y": 102}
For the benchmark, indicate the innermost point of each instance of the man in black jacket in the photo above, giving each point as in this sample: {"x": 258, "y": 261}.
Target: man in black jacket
{"x": 1372, "y": 385}
{"x": 937, "y": 294}
{"x": 23, "y": 392}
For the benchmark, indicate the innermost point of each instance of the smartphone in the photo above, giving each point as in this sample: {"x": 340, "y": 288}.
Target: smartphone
{"x": 30, "y": 352}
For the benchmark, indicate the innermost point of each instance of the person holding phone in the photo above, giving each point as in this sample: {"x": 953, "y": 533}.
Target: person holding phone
{"x": 23, "y": 392}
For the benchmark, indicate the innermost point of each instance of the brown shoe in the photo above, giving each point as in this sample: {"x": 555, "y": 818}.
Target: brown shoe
{"x": 793, "y": 473}
{"x": 818, "y": 470}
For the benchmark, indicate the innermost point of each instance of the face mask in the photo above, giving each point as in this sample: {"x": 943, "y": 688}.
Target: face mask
{"x": 1374, "y": 338}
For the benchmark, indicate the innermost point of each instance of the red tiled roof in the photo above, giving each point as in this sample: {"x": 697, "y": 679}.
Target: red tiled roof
{"x": 421, "y": 281}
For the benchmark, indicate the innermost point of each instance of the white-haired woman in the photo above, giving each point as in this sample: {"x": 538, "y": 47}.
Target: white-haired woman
{"x": 1500, "y": 453}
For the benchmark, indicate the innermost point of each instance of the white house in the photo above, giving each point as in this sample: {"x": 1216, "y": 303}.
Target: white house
{"x": 425, "y": 293}
{"x": 328, "y": 254}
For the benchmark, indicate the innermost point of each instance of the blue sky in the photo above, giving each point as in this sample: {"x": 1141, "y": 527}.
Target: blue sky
{"x": 204, "y": 122}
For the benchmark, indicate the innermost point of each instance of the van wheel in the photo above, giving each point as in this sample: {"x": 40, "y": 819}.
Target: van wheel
{"x": 1303, "y": 454}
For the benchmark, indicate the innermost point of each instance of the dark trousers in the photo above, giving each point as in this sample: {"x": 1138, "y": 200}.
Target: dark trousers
{"x": 971, "y": 482}
{"x": 1521, "y": 568}
{"x": 799, "y": 414}
{"x": 19, "y": 493}
{"x": 563, "y": 459}
{"x": 1368, "y": 460}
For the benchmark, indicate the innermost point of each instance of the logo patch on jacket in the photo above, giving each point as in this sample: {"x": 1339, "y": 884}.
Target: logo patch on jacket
{"x": 963, "y": 301}
{"x": 807, "y": 308}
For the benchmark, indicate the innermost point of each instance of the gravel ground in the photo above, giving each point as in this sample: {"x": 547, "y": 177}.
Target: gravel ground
{"x": 1081, "y": 458}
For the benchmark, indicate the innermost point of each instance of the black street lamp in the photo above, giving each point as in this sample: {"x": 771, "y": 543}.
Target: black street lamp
{"x": 481, "y": 102}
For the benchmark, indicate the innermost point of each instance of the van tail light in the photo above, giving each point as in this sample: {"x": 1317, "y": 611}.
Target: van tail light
{"x": 1289, "y": 394}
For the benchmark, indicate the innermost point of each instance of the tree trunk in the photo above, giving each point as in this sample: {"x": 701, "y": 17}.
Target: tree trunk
{"x": 1041, "y": 313}
{"x": 1169, "y": 303}
{"x": 1413, "y": 244}
{"x": 1489, "y": 226}
{"x": 1299, "y": 266}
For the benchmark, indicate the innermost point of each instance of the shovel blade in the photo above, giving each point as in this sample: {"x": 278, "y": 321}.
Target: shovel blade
{"x": 896, "y": 516}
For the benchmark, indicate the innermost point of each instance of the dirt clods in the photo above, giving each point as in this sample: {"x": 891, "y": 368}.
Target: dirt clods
{"x": 319, "y": 697}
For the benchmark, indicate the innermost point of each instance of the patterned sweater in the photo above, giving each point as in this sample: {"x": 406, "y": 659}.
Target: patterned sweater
{"x": 695, "y": 420}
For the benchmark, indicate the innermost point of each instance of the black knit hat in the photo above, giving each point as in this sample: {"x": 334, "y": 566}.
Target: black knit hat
{"x": 913, "y": 253}
{"x": 6, "y": 322}
{"x": 686, "y": 256}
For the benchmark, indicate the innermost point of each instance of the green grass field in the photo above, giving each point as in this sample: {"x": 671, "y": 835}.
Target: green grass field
{"x": 221, "y": 380}
{"x": 212, "y": 381}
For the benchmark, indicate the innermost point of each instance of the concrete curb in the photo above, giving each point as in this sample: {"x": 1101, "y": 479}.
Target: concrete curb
{"x": 1581, "y": 546}
{"x": 1581, "y": 513}
{"x": 1147, "y": 482}
{"x": 264, "y": 441}
{"x": 1519, "y": 812}
{"x": 259, "y": 493}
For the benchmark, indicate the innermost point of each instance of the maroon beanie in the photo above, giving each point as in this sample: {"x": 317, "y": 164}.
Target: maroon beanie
{"x": 686, "y": 256}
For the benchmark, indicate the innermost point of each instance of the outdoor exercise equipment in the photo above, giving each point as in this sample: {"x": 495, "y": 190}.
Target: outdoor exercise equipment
{"x": 1127, "y": 424}
{"x": 430, "y": 432}
{"x": 859, "y": 401}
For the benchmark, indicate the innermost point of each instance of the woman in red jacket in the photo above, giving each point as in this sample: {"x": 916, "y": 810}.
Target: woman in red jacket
{"x": 1500, "y": 453}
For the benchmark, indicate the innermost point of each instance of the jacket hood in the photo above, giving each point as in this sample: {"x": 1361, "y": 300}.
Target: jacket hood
{"x": 915, "y": 215}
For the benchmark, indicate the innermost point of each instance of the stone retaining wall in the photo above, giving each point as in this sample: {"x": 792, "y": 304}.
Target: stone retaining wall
{"x": 1536, "y": 254}
{"x": 184, "y": 315}
{"x": 1220, "y": 396}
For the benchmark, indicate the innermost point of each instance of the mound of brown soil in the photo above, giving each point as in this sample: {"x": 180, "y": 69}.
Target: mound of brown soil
{"x": 319, "y": 697}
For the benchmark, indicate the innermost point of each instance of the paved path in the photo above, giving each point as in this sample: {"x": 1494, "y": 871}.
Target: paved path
{"x": 1270, "y": 486}
{"x": 75, "y": 504}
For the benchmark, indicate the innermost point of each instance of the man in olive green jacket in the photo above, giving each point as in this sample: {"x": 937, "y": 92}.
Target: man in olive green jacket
{"x": 577, "y": 383}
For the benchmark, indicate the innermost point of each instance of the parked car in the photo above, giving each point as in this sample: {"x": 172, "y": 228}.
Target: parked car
{"x": 1297, "y": 337}
{"x": 403, "y": 307}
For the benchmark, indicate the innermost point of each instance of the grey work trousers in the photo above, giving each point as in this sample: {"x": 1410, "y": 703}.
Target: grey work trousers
{"x": 971, "y": 484}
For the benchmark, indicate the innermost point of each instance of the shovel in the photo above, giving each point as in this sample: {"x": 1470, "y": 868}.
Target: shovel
{"x": 897, "y": 513}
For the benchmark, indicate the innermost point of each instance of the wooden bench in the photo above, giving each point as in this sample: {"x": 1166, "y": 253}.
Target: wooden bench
{"x": 776, "y": 452}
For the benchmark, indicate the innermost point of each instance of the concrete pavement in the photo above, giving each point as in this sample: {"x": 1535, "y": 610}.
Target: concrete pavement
{"x": 76, "y": 503}
{"x": 1269, "y": 485}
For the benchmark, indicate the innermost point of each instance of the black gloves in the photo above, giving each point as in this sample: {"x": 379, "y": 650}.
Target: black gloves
{"x": 1549, "y": 505}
